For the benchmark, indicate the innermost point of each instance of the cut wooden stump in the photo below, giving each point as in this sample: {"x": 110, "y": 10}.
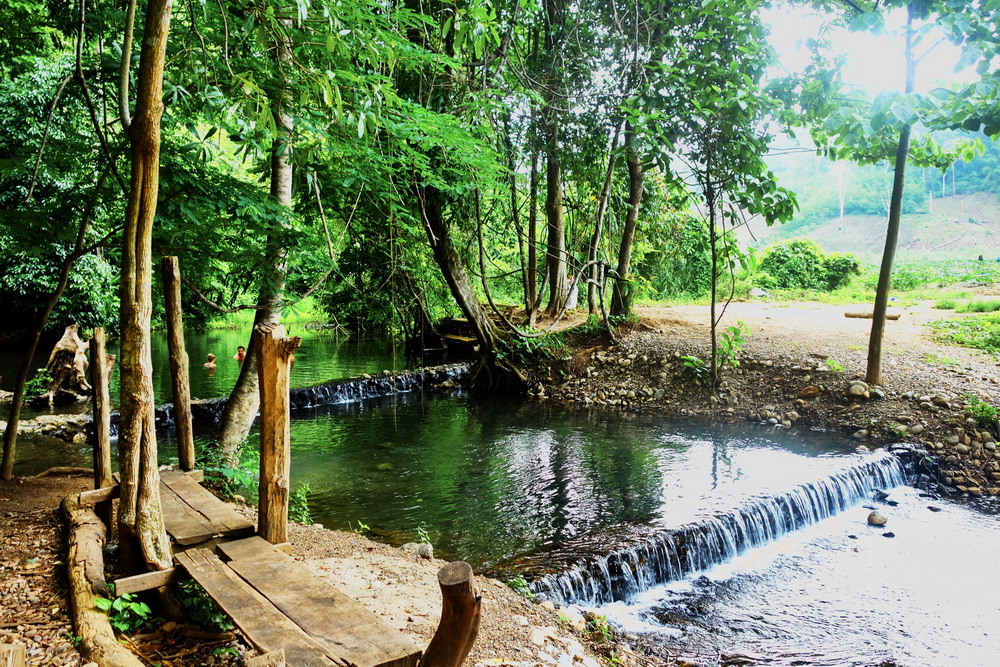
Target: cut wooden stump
{"x": 460, "y": 615}
{"x": 867, "y": 316}
{"x": 12, "y": 655}
{"x": 85, "y": 571}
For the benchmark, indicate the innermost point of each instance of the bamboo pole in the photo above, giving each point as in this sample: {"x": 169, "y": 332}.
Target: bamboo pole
{"x": 461, "y": 611}
{"x": 100, "y": 373}
{"x": 867, "y": 316}
{"x": 274, "y": 361}
{"x": 178, "y": 362}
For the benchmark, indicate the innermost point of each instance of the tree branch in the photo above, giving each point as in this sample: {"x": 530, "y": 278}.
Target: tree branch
{"x": 45, "y": 136}
{"x": 125, "y": 67}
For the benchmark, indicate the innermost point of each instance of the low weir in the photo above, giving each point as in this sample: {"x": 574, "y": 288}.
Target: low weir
{"x": 592, "y": 571}
{"x": 330, "y": 393}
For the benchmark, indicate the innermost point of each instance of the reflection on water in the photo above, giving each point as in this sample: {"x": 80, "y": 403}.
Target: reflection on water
{"x": 321, "y": 358}
{"x": 493, "y": 480}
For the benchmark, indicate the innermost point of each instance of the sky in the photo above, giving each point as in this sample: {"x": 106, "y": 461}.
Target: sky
{"x": 873, "y": 61}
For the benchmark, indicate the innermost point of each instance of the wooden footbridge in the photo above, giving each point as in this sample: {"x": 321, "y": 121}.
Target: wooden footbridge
{"x": 288, "y": 613}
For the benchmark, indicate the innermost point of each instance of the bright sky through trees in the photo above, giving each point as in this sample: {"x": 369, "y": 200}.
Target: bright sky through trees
{"x": 874, "y": 61}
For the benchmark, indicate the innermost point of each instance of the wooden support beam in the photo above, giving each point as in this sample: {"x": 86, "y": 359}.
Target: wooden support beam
{"x": 461, "y": 611}
{"x": 274, "y": 354}
{"x": 98, "y": 496}
{"x": 148, "y": 580}
{"x": 178, "y": 362}
{"x": 99, "y": 376}
{"x": 272, "y": 659}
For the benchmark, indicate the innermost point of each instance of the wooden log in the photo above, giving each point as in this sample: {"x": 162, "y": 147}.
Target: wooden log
{"x": 461, "y": 611}
{"x": 99, "y": 376}
{"x": 864, "y": 315}
{"x": 67, "y": 368}
{"x": 178, "y": 362}
{"x": 85, "y": 571}
{"x": 65, "y": 471}
{"x": 13, "y": 655}
{"x": 274, "y": 353}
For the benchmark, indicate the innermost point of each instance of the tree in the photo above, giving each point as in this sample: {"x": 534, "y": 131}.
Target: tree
{"x": 140, "y": 520}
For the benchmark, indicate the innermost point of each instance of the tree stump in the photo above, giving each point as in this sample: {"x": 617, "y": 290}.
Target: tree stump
{"x": 67, "y": 369}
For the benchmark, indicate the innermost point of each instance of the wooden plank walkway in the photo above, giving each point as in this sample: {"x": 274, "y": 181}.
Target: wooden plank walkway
{"x": 193, "y": 514}
{"x": 277, "y": 602}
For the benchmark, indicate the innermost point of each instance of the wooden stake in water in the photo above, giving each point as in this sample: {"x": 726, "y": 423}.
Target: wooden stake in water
{"x": 179, "y": 378}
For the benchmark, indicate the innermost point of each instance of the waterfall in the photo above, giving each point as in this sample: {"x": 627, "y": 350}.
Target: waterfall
{"x": 652, "y": 555}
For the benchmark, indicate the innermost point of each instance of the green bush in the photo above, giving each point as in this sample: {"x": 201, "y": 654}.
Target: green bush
{"x": 802, "y": 264}
{"x": 979, "y": 306}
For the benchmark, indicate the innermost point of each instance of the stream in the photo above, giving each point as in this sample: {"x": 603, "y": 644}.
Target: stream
{"x": 724, "y": 544}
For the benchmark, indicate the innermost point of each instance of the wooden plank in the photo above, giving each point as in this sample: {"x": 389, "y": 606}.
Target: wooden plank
{"x": 355, "y": 634}
{"x": 95, "y": 496}
{"x": 148, "y": 580}
{"x": 267, "y": 628}
{"x": 12, "y": 655}
{"x": 221, "y": 515}
{"x": 184, "y": 525}
{"x": 272, "y": 659}
{"x": 197, "y": 475}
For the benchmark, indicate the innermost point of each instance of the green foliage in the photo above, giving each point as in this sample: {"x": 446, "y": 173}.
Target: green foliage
{"x": 127, "y": 614}
{"x": 696, "y": 369}
{"x": 802, "y": 264}
{"x": 298, "y": 505}
{"x": 230, "y": 480}
{"x": 946, "y": 303}
{"x": 549, "y": 346}
{"x": 201, "y": 609}
{"x": 985, "y": 414}
{"x": 834, "y": 366}
{"x": 731, "y": 341}
{"x": 520, "y": 586}
{"x": 981, "y": 332}
{"x": 37, "y": 384}
{"x": 422, "y": 535}
{"x": 361, "y": 529}
{"x": 979, "y": 306}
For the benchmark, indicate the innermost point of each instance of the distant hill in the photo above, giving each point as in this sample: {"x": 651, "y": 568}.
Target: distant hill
{"x": 961, "y": 227}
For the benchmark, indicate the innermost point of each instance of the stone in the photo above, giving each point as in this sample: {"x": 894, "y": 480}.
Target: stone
{"x": 876, "y": 519}
{"x": 916, "y": 429}
{"x": 859, "y": 390}
{"x": 811, "y": 391}
{"x": 890, "y": 534}
{"x": 420, "y": 549}
{"x": 940, "y": 401}
{"x": 861, "y": 433}
{"x": 574, "y": 617}
{"x": 962, "y": 449}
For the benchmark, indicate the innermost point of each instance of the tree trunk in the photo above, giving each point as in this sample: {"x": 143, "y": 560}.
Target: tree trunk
{"x": 532, "y": 297}
{"x": 621, "y": 298}
{"x": 244, "y": 400}
{"x": 555, "y": 247}
{"x": 140, "y": 520}
{"x": 179, "y": 365}
{"x": 100, "y": 373}
{"x": 595, "y": 240}
{"x": 67, "y": 368}
{"x": 453, "y": 269}
{"x": 874, "y": 370}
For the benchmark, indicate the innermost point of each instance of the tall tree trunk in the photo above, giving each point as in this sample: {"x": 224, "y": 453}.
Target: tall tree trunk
{"x": 595, "y": 240}
{"x": 555, "y": 247}
{"x": 621, "y": 298}
{"x": 244, "y": 400}
{"x": 453, "y": 269}
{"x": 532, "y": 297}
{"x": 874, "y": 371}
{"x": 140, "y": 520}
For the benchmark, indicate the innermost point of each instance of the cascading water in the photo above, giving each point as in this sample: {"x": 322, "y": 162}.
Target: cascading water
{"x": 656, "y": 555}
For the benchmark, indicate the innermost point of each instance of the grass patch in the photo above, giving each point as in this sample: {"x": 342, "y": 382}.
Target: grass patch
{"x": 946, "y": 304}
{"x": 932, "y": 358}
{"x": 979, "y": 306}
{"x": 981, "y": 332}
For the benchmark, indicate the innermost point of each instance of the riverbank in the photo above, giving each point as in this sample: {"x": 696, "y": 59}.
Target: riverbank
{"x": 801, "y": 368}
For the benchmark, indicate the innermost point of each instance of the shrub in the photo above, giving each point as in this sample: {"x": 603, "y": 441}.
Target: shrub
{"x": 802, "y": 264}
{"x": 979, "y": 306}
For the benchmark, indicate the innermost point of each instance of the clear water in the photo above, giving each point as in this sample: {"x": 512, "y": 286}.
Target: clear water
{"x": 321, "y": 358}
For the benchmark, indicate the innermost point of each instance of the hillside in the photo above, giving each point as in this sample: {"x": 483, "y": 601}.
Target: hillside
{"x": 961, "y": 227}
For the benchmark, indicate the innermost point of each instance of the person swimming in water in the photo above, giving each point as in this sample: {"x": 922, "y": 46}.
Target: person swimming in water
{"x": 211, "y": 361}
{"x": 241, "y": 353}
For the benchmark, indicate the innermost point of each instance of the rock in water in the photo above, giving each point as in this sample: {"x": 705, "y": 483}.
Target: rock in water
{"x": 876, "y": 519}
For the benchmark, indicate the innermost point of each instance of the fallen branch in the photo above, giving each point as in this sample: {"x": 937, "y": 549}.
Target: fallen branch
{"x": 65, "y": 471}
{"x": 868, "y": 316}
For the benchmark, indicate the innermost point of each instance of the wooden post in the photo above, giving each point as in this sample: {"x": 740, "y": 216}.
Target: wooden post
{"x": 461, "y": 611}
{"x": 274, "y": 355}
{"x": 101, "y": 367}
{"x": 178, "y": 362}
